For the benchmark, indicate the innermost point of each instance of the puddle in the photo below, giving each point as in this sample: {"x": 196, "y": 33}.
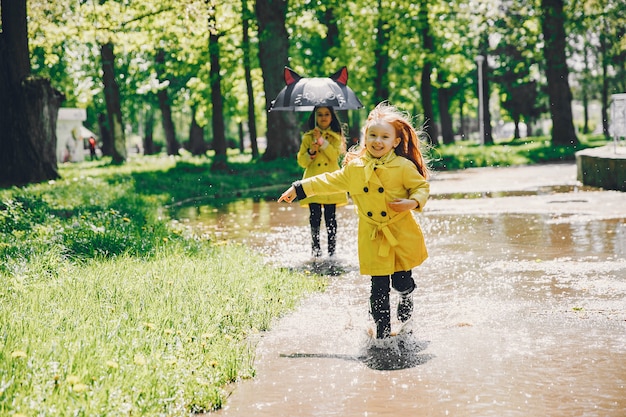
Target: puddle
{"x": 519, "y": 311}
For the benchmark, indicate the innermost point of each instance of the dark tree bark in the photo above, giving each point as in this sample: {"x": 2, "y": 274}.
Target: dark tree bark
{"x": 217, "y": 115}
{"x": 557, "y": 73}
{"x": 166, "y": 109}
{"x": 248, "y": 76}
{"x": 447, "y": 132}
{"x": 148, "y": 128}
{"x": 426, "y": 88}
{"x": 283, "y": 138}
{"x": 114, "y": 111}
{"x": 105, "y": 135}
{"x": 197, "y": 145}
{"x": 604, "y": 49}
{"x": 381, "y": 57}
{"x": 30, "y": 106}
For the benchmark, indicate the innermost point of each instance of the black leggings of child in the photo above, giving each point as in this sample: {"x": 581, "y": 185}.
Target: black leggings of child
{"x": 401, "y": 281}
{"x": 315, "y": 219}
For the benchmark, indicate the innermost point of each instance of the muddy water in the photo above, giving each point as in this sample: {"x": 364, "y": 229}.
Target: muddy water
{"x": 520, "y": 309}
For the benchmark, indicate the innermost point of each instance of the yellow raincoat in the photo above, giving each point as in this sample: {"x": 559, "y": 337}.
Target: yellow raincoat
{"x": 327, "y": 160}
{"x": 388, "y": 241}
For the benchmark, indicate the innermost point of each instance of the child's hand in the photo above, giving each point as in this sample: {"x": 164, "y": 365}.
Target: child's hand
{"x": 317, "y": 137}
{"x": 402, "y": 204}
{"x": 289, "y": 195}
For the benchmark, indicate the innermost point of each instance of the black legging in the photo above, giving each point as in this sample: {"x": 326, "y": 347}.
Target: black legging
{"x": 401, "y": 281}
{"x": 315, "y": 219}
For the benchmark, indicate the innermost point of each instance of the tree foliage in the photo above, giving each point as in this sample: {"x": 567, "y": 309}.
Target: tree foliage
{"x": 418, "y": 55}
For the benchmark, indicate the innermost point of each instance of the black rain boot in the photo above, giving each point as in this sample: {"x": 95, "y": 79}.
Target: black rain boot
{"x": 405, "y": 307}
{"x": 331, "y": 227}
{"x": 315, "y": 242}
{"x": 332, "y": 239}
{"x": 379, "y": 306}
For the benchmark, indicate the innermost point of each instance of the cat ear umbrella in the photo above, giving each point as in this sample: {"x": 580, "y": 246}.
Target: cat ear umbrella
{"x": 303, "y": 94}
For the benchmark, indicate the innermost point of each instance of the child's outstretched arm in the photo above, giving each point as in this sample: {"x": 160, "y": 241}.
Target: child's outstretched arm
{"x": 289, "y": 195}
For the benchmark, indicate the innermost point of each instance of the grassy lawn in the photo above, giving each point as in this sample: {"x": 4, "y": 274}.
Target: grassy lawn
{"x": 107, "y": 308}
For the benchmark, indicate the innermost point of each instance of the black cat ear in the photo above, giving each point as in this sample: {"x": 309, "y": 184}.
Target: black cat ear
{"x": 340, "y": 76}
{"x": 291, "y": 76}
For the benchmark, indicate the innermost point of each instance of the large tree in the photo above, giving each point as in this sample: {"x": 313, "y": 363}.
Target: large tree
{"x": 215, "y": 81}
{"x": 115, "y": 138}
{"x": 557, "y": 73}
{"x": 426, "y": 87}
{"x": 29, "y": 106}
{"x": 245, "y": 45}
{"x": 282, "y": 133}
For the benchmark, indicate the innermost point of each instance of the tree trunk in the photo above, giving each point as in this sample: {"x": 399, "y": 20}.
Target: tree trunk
{"x": 148, "y": 128}
{"x": 283, "y": 138}
{"x": 197, "y": 145}
{"x": 248, "y": 76}
{"x": 557, "y": 73}
{"x": 105, "y": 135}
{"x": 381, "y": 57}
{"x": 30, "y": 106}
{"x": 426, "y": 88}
{"x": 217, "y": 116}
{"x": 462, "y": 129}
{"x": 604, "y": 49}
{"x": 114, "y": 112}
{"x": 166, "y": 109}
{"x": 447, "y": 132}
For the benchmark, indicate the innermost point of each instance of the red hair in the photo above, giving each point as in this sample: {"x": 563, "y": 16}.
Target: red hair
{"x": 410, "y": 137}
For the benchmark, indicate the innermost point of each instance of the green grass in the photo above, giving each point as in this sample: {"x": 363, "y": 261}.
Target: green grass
{"x": 108, "y": 309}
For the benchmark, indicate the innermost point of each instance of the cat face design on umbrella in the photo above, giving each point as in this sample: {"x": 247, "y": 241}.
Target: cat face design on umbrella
{"x": 304, "y": 94}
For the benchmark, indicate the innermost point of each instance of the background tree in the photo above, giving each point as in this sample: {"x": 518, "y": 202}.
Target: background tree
{"x": 29, "y": 106}
{"x": 428, "y": 46}
{"x": 113, "y": 130}
{"x": 282, "y": 133}
{"x": 381, "y": 55}
{"x": 316, "y": 38}
{"x": 164, "y": 105}
{"x": 246, "y": 16}
{"x": 557, "y": 73}
{"x": 219, "y": 138}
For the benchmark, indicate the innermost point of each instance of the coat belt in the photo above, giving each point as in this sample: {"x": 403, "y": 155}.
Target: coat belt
{"x": 389, "y": 240}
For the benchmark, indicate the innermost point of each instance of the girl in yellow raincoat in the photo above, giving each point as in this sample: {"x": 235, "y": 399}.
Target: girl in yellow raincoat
{"x": 387, "y": 180}
{"x": 319, "y": 152}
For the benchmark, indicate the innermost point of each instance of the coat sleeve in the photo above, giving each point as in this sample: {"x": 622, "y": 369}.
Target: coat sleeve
{"x": 418, "y": 187}
{"x": 304, "y": 159}
{"x": 327, "y": 183}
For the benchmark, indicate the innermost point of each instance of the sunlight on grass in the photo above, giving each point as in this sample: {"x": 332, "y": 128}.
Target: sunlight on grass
{"x": 108, "y": 309}
{"x": 147, "y": 336}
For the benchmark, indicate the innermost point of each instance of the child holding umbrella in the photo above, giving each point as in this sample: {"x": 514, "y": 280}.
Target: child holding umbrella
{"x": 320, "y": 149}
{"x": 387, "y": 180}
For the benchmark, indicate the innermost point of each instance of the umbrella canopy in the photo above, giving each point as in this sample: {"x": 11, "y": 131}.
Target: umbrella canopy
{"x": 304, "y": 94}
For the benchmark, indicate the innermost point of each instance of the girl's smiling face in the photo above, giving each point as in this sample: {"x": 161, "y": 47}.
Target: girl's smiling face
{"x": 380, "y": 138}
{"x": 323, "y": 117}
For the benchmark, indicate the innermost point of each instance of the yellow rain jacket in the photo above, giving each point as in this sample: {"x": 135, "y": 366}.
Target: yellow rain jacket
{"x": 388, "y": 241}
{"x": 327, "y": 160}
